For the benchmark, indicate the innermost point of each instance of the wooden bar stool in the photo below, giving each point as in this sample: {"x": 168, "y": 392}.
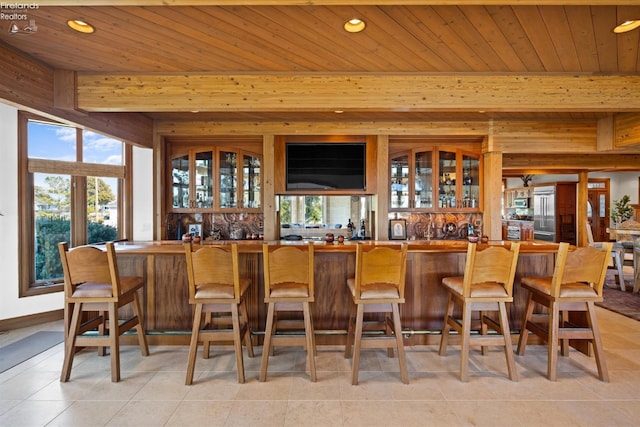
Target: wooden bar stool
{"x": 93, "y": 284}
{"x": 575, "y": 286}
{"x": 215, "y": 286}
{"x": 487, "y": 285}
{"x": 288, "y": 283}
{"x": 617, "y": 255}
{"x": 378, "y": 287}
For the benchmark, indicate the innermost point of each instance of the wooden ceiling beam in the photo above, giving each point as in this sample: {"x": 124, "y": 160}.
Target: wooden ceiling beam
{"x": 330, "y": 2}
{"x": 33, "y": 87}
{"x": 105, "y": 92}
{"x": 519, "y": 164}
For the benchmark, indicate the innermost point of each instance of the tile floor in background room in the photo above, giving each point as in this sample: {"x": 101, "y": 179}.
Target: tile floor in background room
{"x": 152, "y": 390}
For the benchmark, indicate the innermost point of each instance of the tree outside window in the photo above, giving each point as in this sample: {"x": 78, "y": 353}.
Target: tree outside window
{"x": 63, "y": 198}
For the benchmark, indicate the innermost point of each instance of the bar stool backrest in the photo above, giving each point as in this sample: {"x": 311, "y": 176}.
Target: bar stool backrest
{"x": 288, "y": 264}
{"x": 584, "y": 265}
{"x": 493, "y": 264}
{"x": 88, "y": 264}
{"x": 215, "y": 266}
{"x": 380, "y": 265}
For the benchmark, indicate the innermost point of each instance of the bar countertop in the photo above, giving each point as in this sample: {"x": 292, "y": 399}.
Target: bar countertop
{"x": 169, "y": 315}
{"x": 172, "y": 247}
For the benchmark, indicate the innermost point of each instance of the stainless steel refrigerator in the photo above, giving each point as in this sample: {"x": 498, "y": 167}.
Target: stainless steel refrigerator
{"x": 544, "y": 213}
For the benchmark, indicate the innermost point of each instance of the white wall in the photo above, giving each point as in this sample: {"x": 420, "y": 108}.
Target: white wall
{"x": 10, "y": 305}
{"x": 142, "y": 194}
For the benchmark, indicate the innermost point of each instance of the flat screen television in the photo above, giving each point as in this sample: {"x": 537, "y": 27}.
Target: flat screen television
{"x": 326, "y": 166}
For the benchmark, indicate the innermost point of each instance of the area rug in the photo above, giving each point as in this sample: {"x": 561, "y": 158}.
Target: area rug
{"x": 17, "y": 352}
{"x": 625, "y": 303}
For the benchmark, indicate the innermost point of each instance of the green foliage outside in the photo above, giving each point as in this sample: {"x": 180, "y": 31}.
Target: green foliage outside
{"x": 312, "y": 210}
{"x": 621, "y": 211}
{"x": 56, "y": 196}
{"x": 52, "y": 223}
{"x": 285, "y": 210}
{"x": 50, "y": 230}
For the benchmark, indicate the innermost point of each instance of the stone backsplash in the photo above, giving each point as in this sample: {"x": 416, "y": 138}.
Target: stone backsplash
{"x": 440, "y": 226}
{"x": 218, "y": 226}
{"x": 436, "y": 226}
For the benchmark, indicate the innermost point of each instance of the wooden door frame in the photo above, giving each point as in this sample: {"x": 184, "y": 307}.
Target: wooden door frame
{"x": 607, "y": 188}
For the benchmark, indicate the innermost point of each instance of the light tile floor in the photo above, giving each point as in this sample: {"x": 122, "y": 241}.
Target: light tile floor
{"x": 152, "y": 390}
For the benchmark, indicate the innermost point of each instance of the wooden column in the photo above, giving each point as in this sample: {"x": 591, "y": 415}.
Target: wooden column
{"x": 268, "y": 187}
{"x": 381, "y": 203}
{"x": 582, "y": 198}
{"x": 492, "y": 193}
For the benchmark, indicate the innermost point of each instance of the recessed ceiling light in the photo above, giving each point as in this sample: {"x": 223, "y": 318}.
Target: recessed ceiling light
{"x": 354, "y": 25}
{"x": 81, "y": 26}
{"x": 339, "y": 111}
{"x": 627, "y": 26}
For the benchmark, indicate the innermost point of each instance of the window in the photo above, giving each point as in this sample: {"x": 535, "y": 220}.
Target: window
{"x": 321, "y": 211}
{"x": 72, "y": 185}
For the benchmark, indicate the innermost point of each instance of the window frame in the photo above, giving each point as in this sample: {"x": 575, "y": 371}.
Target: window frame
{"x": 78, "y": 172}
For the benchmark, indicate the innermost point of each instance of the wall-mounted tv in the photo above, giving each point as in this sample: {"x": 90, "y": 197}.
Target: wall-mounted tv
{"x": 326, "y": 166}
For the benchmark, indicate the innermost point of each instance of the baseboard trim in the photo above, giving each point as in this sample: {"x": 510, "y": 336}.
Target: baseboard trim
{"x": 31, "y": 320}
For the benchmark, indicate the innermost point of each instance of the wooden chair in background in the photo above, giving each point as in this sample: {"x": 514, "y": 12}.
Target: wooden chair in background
{"x": 617, "y": 254}
{"x": 487, "y": 285}
{"x": 378, "y": 287}
{"x": 93, "y": 284}
{"x": 289, "y": 286}
{"x": 636, "y": 265}
{"x": 575, "y": 286}
{"x": 215, "y": 287}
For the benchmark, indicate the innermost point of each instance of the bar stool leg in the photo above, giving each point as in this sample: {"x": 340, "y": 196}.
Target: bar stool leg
{"x": 400, "y": 343}
{"x": 350, "y": 331}
{"x": 310, "y": 340}
{"x": 524, "y": 332}
{"x": 597, "y": 343}
{"x": 464, "y": 344}
{"x": 446, "y": 327}
{"x": 193, "y": 346}
{"x": 357, "y": 344}
{"x": 508, "y": 344}
{"x": 114, "y": 344}
{"x": 247, "y": 338}
{"x": 552, "y": 366}
{"x": 266, "y": 347}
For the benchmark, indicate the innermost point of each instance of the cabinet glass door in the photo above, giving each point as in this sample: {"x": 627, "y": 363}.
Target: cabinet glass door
{"x": 180, "y": 181}
{"x": 470, "y": 181}
{"x": 447, "y": 167}
{"x": 228, "y": 179}
{"x": 423, "y": 176}
{"x": 204, "y": 179}
{"x": 399, "y": 182}
{"x": 251, "y": 181}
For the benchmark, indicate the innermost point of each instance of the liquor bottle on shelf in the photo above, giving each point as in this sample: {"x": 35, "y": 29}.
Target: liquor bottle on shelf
{"x": 350, "y": 228}
{"x": 363, "y": 230}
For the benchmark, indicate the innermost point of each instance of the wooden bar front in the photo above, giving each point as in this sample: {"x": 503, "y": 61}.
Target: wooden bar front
{"x": 169, "y": 316}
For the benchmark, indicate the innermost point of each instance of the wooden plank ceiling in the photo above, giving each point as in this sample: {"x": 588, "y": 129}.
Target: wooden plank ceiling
{"x": 296, "y": 37}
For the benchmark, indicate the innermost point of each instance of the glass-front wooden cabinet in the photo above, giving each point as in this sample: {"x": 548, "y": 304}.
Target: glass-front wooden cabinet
{"x": 251, "y": 181}
{"x": 459, "y": 179}
{"x": 400, "y": 189}
{"x": 192, "y": 180}
{"x": 435, "y": 179}
{"x": 215, "y": 179}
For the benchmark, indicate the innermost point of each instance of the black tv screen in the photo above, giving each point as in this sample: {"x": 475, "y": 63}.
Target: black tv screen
{"x": 326, "y": 166}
